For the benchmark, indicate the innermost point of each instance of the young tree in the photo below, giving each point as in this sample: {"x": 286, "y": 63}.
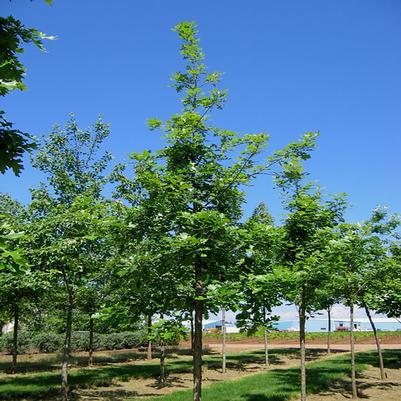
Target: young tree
{"x": 89, "y": 301}
{"x": 69, "y": 213}
{"x": 166, "y": 332}
{"x": 258, "y": 289}
{"x": 364, "y": 251}
{"x": 307, "y": 230}
{"x": 20, "y": 285}
{"x": 192, "y": 186}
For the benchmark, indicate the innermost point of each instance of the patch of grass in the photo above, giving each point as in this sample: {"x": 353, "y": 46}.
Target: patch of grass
{"x": 273, "y": 385}
{"x": 47, "y": 362}
{"x": 284, "y": 384}
{"x": 44, "y": 385}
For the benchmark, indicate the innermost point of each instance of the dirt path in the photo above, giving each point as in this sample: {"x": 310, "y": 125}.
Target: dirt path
{"x": 241, "y": 347}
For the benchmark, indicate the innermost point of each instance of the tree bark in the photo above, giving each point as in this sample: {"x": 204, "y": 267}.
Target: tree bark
{"x": 192, "y": 334}
{"x": 224, "y": 345}
{"x": 265, "y": 338}
{"x": 162, "y": 363}
{"x": 149, "y": 356}
{"x": 352, "y": 343}
{"x": 329, "y": 329}
{"x": 383, "y": 374}
{"x": 197, "y": 356}
{"x": 90, "y": 359}
{"x": 302, "y": 319}
{"x": 15, "y": 339}
{"x": 67, "y": 351}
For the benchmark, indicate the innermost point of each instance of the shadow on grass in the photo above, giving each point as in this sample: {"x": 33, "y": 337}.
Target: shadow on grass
{"x": 50, "y": 362}
{"x": 329, "y": 375}
{"x": 272, "y": 385}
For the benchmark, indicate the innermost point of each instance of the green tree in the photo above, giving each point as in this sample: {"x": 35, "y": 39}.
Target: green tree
{"x": 308, "y": 228}
{"x": 14, "y": 35}
{"x": 193, "y": 186}
{"x": 258, "y": 285}
{"x": 68, "y": 228}
{"x": 20, "y": 285}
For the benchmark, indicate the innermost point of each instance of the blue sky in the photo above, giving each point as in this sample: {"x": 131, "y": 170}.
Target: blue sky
{"x": 290, "y": 66}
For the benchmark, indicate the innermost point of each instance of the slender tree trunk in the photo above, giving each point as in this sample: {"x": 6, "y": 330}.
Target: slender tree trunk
{"x": 162, "y": 363}
{"x": 329, "y": 329}
{"x": 383, "y": 374}
{"x": 224, "y": 345}
{"x": 149, "y": 356}
{"x": 192, "y": 334}
{"x": 197, "y": 357}
{"x": 67, "y": 351}
{"x": 302, "y": 320}
{"x": 15, "y": 339}
{"x": 352, "y": 342}
{"x": 265, "y": 338}
{"x": 90, "y": 360}
{"x": 162, "y": 378}
{"x": 265, "y": 335}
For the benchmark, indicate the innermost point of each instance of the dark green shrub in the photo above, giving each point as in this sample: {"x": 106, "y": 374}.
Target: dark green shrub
{"x": 24, "y": 342}
{"x": 47, "y": 342}
{"x": 80, "y": 341}
{"x": 53, "y": 342}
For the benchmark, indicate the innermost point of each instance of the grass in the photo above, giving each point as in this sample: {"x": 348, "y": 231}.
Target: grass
{"x": 42, "y": 385}
{"x": 274, "y": 385}
{"x": 284, "y": 384}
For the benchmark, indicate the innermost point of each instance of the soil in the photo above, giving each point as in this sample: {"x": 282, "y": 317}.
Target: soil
{"x": 384, "y": 339}
{"x": 240, "y": 346}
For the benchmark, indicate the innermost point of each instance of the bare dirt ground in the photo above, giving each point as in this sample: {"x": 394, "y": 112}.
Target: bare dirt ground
{"x": 241, "y": 347}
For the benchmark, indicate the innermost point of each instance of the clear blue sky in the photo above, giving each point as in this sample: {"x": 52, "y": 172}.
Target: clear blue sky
{"x": 290, "y": 66}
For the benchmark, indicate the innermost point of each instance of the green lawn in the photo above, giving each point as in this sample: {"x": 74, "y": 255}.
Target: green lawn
{"x": 274, "y": 385}
{"x": 42, "y": 385}
{"x": 283, "y": 384}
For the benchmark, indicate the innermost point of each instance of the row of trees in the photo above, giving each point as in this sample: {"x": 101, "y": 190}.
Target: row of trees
{"x": 171, "y": 240}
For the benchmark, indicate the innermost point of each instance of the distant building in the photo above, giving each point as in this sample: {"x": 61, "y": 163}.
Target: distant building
{"x": 209, "y": 325}
{"x": 315, "y": 325}
{"x": 215, "y": 326}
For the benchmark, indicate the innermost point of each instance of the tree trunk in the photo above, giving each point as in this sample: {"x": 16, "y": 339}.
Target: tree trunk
{"x": 149, "y": 356}
{"x": 197, "y": 356}
{"x": 383, "y": 374}
{"x": 192, "y": 334}
{"x": 224, "y": 345}
{"x": 162, "y": 363}
{"x": 265, "y": 334}
{"x": 302, "y": 319}
{"x": 352, "y": 342}
{"x": 329, "y": 329}
{"x": 265, "y": 338}
{"x": 15, "y": 339}
{"x": 90, "y": 360}
{"x": 67, "y": 351}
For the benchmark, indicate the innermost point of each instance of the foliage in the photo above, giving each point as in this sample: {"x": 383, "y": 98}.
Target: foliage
{"x": 14, "y": 35}
{"x": 45, "y": 342}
